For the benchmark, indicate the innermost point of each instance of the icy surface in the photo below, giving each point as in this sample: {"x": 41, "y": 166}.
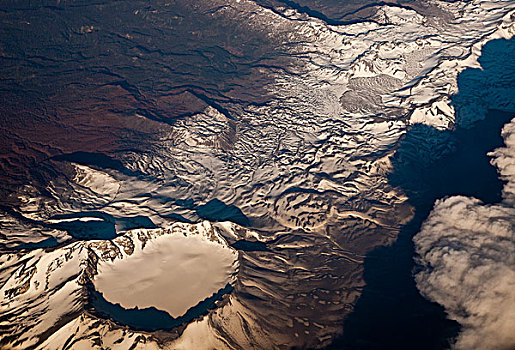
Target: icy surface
{"x": 171, "y": 273}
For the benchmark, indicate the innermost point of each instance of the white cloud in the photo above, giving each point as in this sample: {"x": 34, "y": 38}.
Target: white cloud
{"x": 467, "y": 250}
{"x": 504, "y": 160}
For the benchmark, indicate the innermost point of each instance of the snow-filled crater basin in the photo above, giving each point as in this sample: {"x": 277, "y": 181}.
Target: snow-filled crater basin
{"x": 170, "y": 269}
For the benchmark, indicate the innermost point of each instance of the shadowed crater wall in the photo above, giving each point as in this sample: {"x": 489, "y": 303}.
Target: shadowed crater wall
{"x": 149, "y": 319}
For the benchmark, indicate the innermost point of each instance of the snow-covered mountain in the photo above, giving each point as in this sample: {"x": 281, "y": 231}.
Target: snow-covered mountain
{"x": 245, "y": 220}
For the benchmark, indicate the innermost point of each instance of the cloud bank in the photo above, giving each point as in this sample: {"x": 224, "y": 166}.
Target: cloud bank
{"x": 467, "y": 251}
